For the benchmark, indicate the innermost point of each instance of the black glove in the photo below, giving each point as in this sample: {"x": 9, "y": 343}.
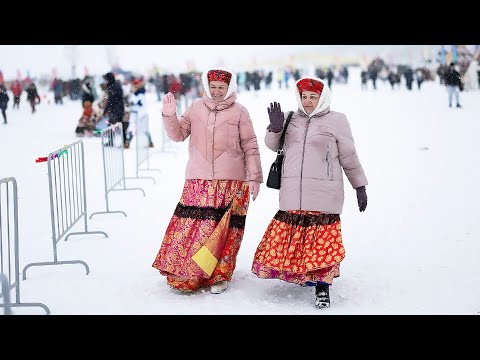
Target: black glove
{"x": 276, "y": 117}
{"x": 362, "y": 198}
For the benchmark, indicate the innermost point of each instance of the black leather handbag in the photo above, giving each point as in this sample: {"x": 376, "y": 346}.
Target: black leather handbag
{"x": 275, "y": 173}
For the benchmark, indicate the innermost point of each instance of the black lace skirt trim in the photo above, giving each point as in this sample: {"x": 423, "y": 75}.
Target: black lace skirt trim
{"x": 200, "y": 213}
{"x": 306, "y": 220}
{"x": 209, "y": 213}
{"x": 237, "y": 221}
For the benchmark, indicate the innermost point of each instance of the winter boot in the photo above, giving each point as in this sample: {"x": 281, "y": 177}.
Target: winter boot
{"x": 219, "y": 287}
{"x": 322, "y": 296}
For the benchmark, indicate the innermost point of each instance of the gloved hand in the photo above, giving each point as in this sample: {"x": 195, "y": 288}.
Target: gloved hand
{"x": 254, "y": 187}
{"x": 169, "y": 105}
{"x": 276, "y": 117}
{"x": 362, "y": 198}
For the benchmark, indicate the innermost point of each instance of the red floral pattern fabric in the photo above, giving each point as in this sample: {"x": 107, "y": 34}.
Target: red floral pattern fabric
{"x": 300, "y": 247}
{"x": 219, "y": 75}
{"x": 202, "y": 205}
{"x": 310, "y": 85}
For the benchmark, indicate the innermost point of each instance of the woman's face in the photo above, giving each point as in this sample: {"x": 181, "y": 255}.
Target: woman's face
{"x": 310, "y": 101}
{"x": 218, "y": 90}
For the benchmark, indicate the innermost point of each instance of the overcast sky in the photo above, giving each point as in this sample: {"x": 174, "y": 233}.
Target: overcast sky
{"x": 41, "y": 59}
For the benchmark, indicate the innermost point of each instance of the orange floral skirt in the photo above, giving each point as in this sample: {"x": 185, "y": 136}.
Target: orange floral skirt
{"x": 302, "y": 247}
{"x": 202, "y": 205}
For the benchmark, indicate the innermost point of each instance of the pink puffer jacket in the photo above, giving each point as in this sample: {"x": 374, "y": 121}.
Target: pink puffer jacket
{"x": 223, "y": 144}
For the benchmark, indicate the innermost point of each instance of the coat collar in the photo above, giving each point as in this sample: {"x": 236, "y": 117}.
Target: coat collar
{"x": 219, "y": 106}
{"x": 321, "y": 113}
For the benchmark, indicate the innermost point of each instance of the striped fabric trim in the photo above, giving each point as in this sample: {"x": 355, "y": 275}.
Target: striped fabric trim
{"x": 306, "y": 220}
{"x": 209, "y": 213}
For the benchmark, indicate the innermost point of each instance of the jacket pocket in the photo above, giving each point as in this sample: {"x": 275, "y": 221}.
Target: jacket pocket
{"x": 233, "y": 139}
{"x": 328, "y": 163}
{"x": 235, "y": 147}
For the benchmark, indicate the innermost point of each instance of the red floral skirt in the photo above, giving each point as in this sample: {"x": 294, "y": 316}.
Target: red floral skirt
{"x": 197, "y": 216}
{"x": 302, "y": 247}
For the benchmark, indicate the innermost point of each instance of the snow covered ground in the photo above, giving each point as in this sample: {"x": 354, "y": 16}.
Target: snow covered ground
{"x": 414, "y": 251}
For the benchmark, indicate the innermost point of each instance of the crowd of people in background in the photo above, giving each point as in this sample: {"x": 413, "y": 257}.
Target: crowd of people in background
{"x": 222, "y": 175}
{"x": 187, "y": 86}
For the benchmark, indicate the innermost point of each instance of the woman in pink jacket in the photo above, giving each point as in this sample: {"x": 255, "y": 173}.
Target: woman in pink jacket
{"x": 303, "y": 242}
{"x": 203, "y": 238}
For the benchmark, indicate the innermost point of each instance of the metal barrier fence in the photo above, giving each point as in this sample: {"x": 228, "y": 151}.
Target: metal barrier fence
{"x": 142, "y": 147}
{"x": 68, "y": 198}
{"x": 7, "y": 306}
{"x": 9, "y": 246}
{"x": 113, "y": 164}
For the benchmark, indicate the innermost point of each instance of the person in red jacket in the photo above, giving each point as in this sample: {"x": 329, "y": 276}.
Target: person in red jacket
{"x": 17, "y": 89}
{"x": 175, "y": 87}
{"x": 86, "y": 123}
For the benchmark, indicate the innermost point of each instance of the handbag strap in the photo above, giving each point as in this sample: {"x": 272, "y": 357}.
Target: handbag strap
{"x": 282, "y": 138}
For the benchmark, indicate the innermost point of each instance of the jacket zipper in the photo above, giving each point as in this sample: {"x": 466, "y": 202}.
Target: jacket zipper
{"x": 213, "y": 140}
{"x": 303, "y": 157}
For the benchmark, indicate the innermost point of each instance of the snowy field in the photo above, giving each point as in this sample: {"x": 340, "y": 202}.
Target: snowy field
{"x": 414, "y": 251}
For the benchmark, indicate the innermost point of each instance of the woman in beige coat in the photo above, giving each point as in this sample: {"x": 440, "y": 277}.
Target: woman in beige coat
{"x": 303, "y": 242}
{"x": 203, "y": 238}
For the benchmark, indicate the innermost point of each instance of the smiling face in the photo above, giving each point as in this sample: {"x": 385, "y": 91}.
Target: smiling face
{"x": 218, "y": 90}
{"x": 310, "y": 101}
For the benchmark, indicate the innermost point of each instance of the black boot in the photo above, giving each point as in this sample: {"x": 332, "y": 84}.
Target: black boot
{"x": 322, "y": 296}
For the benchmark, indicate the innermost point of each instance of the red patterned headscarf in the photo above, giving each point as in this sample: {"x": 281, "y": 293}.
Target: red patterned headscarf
{"x": 310, "y": 85}
{"x": 219, "y": 75}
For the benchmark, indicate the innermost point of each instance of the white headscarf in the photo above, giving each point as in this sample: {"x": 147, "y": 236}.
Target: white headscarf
{"x": 232, "y": 87}
{"x": 323, "y": 102}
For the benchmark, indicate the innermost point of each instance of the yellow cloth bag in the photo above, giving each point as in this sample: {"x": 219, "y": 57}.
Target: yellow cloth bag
{"x": 209, "y": 254}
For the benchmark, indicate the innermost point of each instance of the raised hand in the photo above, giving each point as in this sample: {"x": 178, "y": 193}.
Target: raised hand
{"x": 276, "y": 117}
{"x": 169, "y": 105}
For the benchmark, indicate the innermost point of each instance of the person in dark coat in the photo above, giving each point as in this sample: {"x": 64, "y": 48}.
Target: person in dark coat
{"x": 453, "y": 82}
{"x": 58, "y": 93}
{"x": 364, "y": 77}
{"x": 115, "y": 107}
{"x": 373, "y": 74}
{"x": 4, "y": 98}
{"x": 392, "y": 78}
{"x": 408, "y": 74}
{"x": 32, "y": 96}
{"x": 330, "y": 76}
